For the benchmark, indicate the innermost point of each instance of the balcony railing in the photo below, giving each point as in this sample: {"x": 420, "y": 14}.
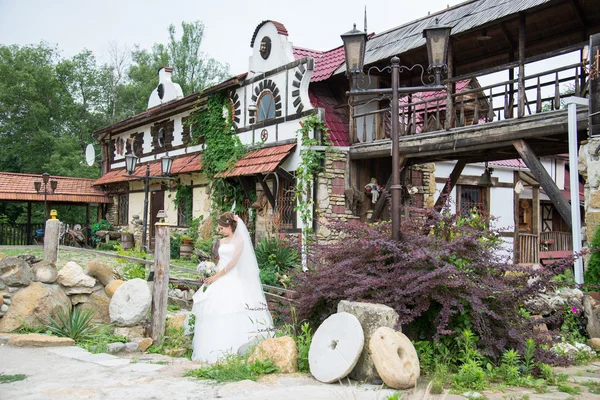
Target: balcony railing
{"x": 473, "y": 104}
{"x": 530, "y": 245}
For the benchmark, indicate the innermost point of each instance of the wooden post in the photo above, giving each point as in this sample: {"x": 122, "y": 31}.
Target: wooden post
{"x": 521, "y": 109}
{"x": 545, "y": 180}
{"x": 51, "y": 233}
{"x": 451, "y": 89}
{"x": 162, "y": 258}
{"x": 535, "y": 228}
{"x": 29, "y": 238}
{"x": 516, "y": 244}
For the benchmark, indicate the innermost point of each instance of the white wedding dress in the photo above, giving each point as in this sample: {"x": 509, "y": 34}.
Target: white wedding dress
{"x": 232, "y": 311}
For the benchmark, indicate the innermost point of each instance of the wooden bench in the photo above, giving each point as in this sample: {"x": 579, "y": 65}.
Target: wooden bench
{"x": 550, "y": 257}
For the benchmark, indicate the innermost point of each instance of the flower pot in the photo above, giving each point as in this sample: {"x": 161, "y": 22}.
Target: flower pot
{"x": 186, "y": 249}
{"x": 127, "y": 241}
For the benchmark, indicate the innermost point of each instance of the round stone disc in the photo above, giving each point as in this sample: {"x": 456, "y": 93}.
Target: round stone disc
{"x": 336, "y": 347}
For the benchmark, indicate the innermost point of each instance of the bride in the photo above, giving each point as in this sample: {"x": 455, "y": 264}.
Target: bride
{"x": 233, "y": 310}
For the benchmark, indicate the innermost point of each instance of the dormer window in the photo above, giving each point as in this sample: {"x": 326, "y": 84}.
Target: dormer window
{"x": 266, "y": 106}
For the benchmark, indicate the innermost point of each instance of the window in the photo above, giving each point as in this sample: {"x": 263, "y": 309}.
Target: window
{"x": 184, "y": 208}
{"x": 472, "y": 197}
{"x": 285, "y": 204}
{"x": 266, "y": 106}
{"x": 123, "y": 212}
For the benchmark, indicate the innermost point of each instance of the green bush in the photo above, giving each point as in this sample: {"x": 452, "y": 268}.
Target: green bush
{"x": 175, "y": 245}
{"x": 110, "y": 246}
{"x": 268, "y": 277}
{"x": 102, "y": 225}
{"x": 591, "y": 275}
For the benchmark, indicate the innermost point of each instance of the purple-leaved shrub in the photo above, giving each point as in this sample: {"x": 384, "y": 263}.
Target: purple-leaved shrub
{"x": 455, "y": 277}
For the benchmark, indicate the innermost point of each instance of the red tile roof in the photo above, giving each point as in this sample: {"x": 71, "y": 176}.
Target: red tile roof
{"x": 181, "y": 165}
{"x": 260, "y": 161}
{"x": 278, "y": 25}
{"x": 20, "y": 187}
{"x": 325, "y": 61}
{"x": 336, "y": 118}
{"x": 516, "y": 163}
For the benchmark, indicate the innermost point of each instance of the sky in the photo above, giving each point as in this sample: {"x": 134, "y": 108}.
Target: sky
{"x": 74, "y": 25}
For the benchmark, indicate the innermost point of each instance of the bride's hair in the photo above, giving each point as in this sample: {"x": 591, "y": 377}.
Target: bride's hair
{"x": 228, "y": 220}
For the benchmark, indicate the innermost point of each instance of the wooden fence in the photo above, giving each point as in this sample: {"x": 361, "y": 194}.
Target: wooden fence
{"x": 274, "y": 292}
{"x": 18, "y": 234}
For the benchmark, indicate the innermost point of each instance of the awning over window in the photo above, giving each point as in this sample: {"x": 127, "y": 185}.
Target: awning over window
{"x": 181, "y": 165}
{"x": 260, "y": 161}
{"x": 20, "y": 187}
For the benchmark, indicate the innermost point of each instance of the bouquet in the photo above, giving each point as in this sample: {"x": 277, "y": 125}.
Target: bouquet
{"x": 206, "y": 269}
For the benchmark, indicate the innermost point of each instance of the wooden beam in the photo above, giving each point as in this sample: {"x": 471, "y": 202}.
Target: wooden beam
{"x": 284, "y": 174}
{"x": 245, "y": 182}
{"x": 578, "y": 13}
{"x": 509, "y": 39}
{"x": 535, "y": 228}
{"x": 530, "y": 180}
{"x": 160, "y": 287}
{"x": 29, "y": 238}
{"x": 450, "y": 114}
{"x": 381, "y": 202}
{"x": 267, "y": 191}
{"x": 456, "y": 172}
{"x": 542, "y": 176}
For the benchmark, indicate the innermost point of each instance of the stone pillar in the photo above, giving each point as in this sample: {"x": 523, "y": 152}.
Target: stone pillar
{"x": 51, "y": 233}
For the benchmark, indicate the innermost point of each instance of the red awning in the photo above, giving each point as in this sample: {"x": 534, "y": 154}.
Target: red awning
{"x": 20, "y": 187}
{"x": 181, "y": 165}
{"x": 260, "y": 161}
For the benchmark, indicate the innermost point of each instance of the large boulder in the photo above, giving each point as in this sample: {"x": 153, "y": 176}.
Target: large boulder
{"x": 395, "y": 358}
{"x": 15, "y": 272}
{"x": 130, "y": 303}
{"x": 100, "y": 271}
{"x": 72, "y": 275}
{"x": 97, "y": 302}
{"x": 45, "y": 272}
{"x": 33, "y": 305}
{"x": 371, "y": 317}
{"x": 282, "y": 351}
{"x": 593, "y": 323}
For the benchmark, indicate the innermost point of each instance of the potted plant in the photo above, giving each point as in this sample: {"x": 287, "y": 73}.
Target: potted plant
{"x": 186, "y": 246}
{"x": 127, "y": 240}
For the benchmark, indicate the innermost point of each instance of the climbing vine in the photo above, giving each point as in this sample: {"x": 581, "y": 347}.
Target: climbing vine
{"x": 222, "y": 150}
{"x": 309, "y": 166}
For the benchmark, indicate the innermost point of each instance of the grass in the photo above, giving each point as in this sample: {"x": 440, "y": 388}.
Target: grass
{"x": 12, "y": 378}
{"x": 234, "y": 368}
{"x": 569, "y": 389}
{"x": 593, "y": 387}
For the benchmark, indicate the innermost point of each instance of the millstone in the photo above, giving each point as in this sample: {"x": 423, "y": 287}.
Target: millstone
{"x": 336, "y": 347}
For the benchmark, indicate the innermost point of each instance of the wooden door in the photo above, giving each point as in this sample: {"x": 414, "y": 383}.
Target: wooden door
{"x": 157, "y": 203}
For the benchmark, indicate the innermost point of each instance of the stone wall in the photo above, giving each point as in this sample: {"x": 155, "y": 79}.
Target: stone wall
{"x": 589, "y": 168}
{"x": 330, "y": 204}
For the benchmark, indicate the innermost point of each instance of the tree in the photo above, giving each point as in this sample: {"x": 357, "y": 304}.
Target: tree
{"x": 192, "y": 69}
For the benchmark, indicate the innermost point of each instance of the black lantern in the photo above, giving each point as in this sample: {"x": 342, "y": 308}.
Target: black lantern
{"x": 130, "y": 163}
{"x": 53, "y": 184}
{"x": 165, "y": 163}
{"x": 437, "y": 38}
{"x": 355, "y": 42}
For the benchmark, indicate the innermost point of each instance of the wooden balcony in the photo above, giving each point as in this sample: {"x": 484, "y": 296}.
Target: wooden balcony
{"x": 478, "y": 122}
{"x": 531, "y": 246}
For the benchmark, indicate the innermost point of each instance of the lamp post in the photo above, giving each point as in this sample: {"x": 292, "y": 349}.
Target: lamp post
{"x": 437, "y": 39}
{"x": 130, "y": 163}
{"x": 38, "y": 188}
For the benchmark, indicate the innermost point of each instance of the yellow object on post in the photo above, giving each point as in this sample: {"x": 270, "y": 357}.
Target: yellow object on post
{"x": 53, "y": 214}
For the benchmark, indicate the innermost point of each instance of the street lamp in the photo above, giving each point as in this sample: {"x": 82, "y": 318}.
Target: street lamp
{"x": 437, "y": 39}
{"x": 38, "y": 188}
{"x": 130, "y": 163}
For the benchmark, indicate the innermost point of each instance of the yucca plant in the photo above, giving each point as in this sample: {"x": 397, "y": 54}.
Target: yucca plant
{"x": 75, "y": 323}
{"x": 276, "y": 255}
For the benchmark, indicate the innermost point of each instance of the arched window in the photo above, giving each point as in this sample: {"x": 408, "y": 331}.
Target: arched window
{"x": 266, "y": 106}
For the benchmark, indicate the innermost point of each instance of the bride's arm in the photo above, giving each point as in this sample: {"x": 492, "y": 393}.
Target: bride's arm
{"x": 239, "y": 247}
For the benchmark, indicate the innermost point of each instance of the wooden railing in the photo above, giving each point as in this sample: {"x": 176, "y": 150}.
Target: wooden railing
{"x": 556, "y": 241}
{"x": 427, "y": 112}
{"x": 17, "y": 234}
{"x": 529, "y": 249}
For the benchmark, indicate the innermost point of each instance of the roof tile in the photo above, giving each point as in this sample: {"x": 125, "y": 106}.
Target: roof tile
{"x": 260, "y": 161}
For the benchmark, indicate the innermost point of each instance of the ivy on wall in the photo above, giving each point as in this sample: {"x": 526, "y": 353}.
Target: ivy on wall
{"x": 310, "y": 165}
{"x": 222, "y": 150}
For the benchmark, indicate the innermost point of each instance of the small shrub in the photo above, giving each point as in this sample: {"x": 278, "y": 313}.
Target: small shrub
{"x": 12, "y": 378}
{"x": 110, "y": 246}
{"x": 268, "y": 277}
{"x": 175, "y": 245}
{"x": 234, "y": 368}
{"x": 276, "y": 255}
{"x": 591, "y": 275}
{"x": 75, "y": 324}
